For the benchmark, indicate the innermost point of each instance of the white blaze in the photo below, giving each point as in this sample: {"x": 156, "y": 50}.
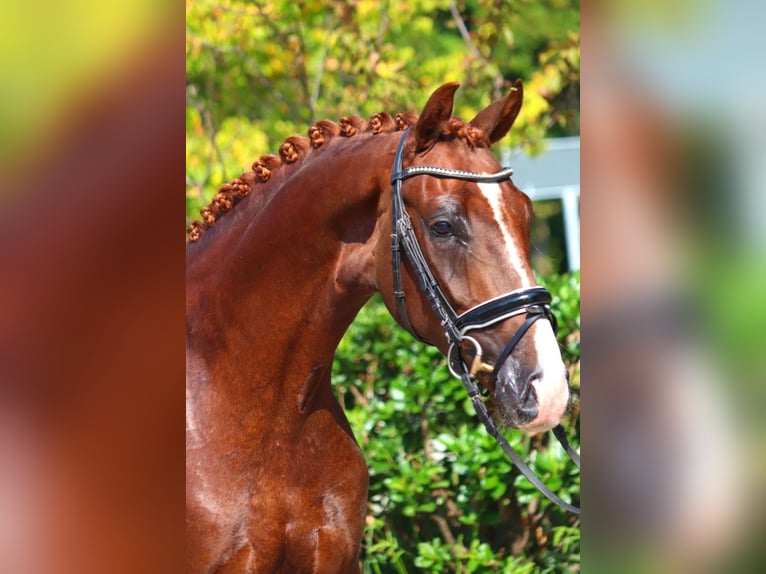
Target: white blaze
{"x": 552, "y": 389}
{"x": 493, "y": 194}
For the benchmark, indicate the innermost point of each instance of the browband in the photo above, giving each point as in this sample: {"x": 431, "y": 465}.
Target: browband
{"x": 450, "y": 173}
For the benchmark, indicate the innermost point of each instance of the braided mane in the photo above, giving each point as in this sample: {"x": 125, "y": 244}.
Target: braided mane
{"x": 296, "y": 148}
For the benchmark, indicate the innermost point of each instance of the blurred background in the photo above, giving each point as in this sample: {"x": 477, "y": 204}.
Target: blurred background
{"x": 673, "y": 306}
{"x": 92, "y": 288}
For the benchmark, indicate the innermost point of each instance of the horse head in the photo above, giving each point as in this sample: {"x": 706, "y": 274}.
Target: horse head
{"x": 471, "y": 228}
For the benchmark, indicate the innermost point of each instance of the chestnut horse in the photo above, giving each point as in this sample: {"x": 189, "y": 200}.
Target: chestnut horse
{"x": 276, "y": 482}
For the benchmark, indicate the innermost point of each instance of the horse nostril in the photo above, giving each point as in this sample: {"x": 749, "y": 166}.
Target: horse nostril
{"x": 533, "y": 377}
{"x": 528, "y": 408}
{"x": 517, "y": 397}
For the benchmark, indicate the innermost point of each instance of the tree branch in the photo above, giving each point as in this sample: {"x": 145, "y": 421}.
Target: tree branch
{"x": 314, "y": 98}
{"x": 464, "y": 30}
{"x": 210, "y": 130}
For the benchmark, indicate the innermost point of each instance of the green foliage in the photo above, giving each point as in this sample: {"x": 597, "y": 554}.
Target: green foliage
{"x": 443, "y": 497}
{"x": 260, "y": 71}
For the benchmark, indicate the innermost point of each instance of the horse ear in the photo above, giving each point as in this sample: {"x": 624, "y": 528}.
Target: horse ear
{"x": 496, "y": 119}
{"x": 437, "y": 111}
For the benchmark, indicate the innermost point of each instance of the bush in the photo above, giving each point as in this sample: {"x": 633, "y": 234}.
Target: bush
{"x": 443, "y": 496}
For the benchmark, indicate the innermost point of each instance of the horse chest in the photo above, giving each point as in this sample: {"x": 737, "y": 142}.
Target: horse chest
{"x": 295, "y": 504}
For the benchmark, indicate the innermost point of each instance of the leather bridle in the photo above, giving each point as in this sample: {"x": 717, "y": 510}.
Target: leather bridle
{"x": 533, "y": 303}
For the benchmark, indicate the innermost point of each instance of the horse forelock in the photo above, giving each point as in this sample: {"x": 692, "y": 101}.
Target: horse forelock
{"x": 296, "y": 148}
{"x": 472, "y": 135}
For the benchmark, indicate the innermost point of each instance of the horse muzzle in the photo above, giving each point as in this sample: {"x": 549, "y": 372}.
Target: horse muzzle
{"x": 531, "y": 393}
{"x": 531, "y": 400}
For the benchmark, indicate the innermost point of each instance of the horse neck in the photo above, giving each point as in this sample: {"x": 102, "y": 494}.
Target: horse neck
{"x": 271, "y": 291}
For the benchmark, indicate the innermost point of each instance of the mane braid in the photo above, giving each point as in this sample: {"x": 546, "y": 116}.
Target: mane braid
{"x": 323, "y": 131}
{"x": 296, "y": 148}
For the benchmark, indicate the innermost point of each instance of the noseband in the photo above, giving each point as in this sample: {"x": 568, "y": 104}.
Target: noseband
{"x": 533, "y": 303}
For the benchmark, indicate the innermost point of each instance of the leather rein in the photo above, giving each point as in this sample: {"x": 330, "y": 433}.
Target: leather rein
{"x": 533, "y": 302}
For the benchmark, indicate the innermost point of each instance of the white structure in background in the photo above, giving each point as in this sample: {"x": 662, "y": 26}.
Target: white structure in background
{"x": 555, "y": 174}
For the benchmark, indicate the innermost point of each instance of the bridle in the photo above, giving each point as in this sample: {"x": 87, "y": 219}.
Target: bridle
{"x": 533, "y": 302}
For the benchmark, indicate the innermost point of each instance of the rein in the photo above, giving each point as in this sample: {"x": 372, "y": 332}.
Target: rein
{"x": 534, "y": 302}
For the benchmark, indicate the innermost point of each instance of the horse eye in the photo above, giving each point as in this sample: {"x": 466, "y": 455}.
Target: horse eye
{"x": 441, "y": 228}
